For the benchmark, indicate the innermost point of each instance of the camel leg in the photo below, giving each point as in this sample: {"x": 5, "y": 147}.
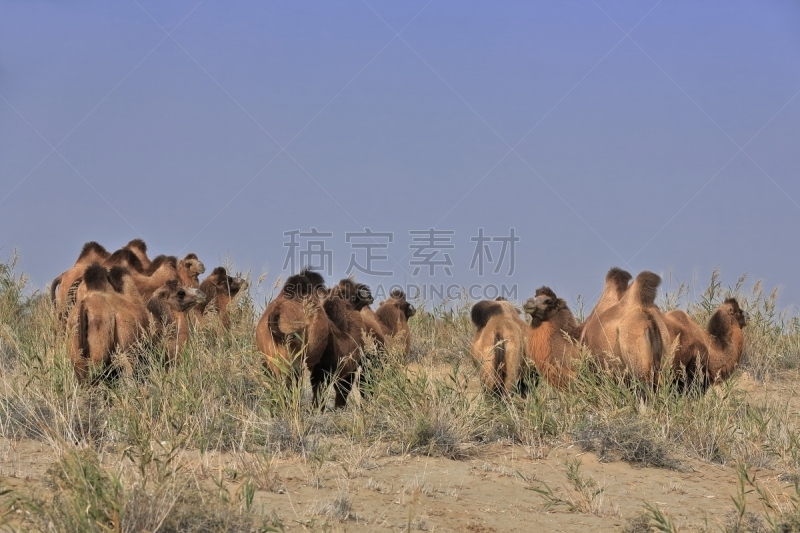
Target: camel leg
{"x": 343, "y": 386}
{"x": 318, "y": 378}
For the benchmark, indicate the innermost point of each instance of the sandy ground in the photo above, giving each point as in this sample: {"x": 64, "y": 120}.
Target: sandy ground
{"x": 351, "y": 488}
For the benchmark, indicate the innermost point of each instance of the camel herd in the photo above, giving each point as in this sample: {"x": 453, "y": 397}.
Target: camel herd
{"x": 108, "y": 302}
{"x": 626, "y": 333}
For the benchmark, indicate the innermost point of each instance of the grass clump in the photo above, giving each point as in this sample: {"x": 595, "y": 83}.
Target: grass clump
{"x": 628, "y": 438}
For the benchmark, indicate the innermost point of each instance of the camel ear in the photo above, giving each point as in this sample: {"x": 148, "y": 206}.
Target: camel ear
{"x": 561, "y": 304}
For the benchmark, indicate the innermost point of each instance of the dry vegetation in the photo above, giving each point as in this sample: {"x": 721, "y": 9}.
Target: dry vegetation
{"x": 204, "y": 445}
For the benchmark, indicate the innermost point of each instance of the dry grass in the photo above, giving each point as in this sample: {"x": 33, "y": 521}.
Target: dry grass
{"x": 119, "y": 450}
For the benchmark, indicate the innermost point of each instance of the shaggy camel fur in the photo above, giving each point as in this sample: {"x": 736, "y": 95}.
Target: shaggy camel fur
{"x": 617, "y": 281}
{"x": 716, "y": 350}
{"x": 189, "y": 270}
{"x": 393, "y": 314}
{"x": 294, "y": 329}
{"x": 162, "y": 269}
{"x": 169, "y": 306}
{"x": 220, "y": 289}
{"x": 631, "y": 334}
{"x": 552, "y": 342}
{"x": 360, "y": 297}
{"x": 126, "y": 258}
{"x": 139, "y": 248}
{"x": 342, "y": 356}
{"x": 105, "y": 321}
{"x": 498, "y": 346}
{"x": 90, "y": 253}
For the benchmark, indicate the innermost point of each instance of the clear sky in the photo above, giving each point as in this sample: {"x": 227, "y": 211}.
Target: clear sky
{"x": 651, "y": 135}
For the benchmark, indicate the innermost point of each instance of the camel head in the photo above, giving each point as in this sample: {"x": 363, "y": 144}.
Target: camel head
{"x": 398, "y": 298}
{"x": 192, "y": 266}
{"x": 179, "y": 298}
{"x": 734, "y": 311}
{"x": 358, "y": 294}
{"x": 220, "y": 279}
{"x": 543, "y": 306}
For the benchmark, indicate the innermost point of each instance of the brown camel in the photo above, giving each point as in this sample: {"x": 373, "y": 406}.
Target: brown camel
{"x": 105, "y": 321}
{"x": 162, "y": 269}
{"x": 220, "y": 289}
{"x": 189, "y": 270}
{"x": 498, "y": 346}
{"x": 294, "y": 329}
{"x": 716, "y": 350}
{"x": 552, "y": 342}
{"x": 169, "y": 306}
{"x": 342, "y": 357}
{"x": 393, "y": 314}
{"x": 91, "y": 253}
{"x": 360, "y": 297}
{"x": 631, "y": 335}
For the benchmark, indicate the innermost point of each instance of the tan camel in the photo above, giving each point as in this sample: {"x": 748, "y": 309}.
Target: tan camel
{"x": 220, "y": 289}
{"x": 189, "y": 270}
{"x": 104, "y": 322}
{"x": 498, "y": 346}
{"x": 91, "y": 253}
{"x": 716, "y": 350}
{"x": 360, "y": 297}
{"x": 552, "y": 342}
{"x": 393, "y": 314}
{"x": 169, "y": 306}
{"x": 294, "y": 330}
{"x": 631, "y": 335}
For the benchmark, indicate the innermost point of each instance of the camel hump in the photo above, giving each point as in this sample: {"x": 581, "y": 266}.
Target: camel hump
{"x": 124, "y": 256}
{"x": 161, "y": 260}
{"x": 646, "y": 288}
{"x": 337, "y": 311}
{"x": 306, "y": 283}
{"x": 93, "y": 247}
{"x": 138, "y": 244}
{"x": 620, "y": 278}
{"x": 483, "y": 311}
{"x": 96, "y": 277}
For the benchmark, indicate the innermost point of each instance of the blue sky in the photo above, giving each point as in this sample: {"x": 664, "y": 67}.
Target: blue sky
{"x": 651, "y": 135}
